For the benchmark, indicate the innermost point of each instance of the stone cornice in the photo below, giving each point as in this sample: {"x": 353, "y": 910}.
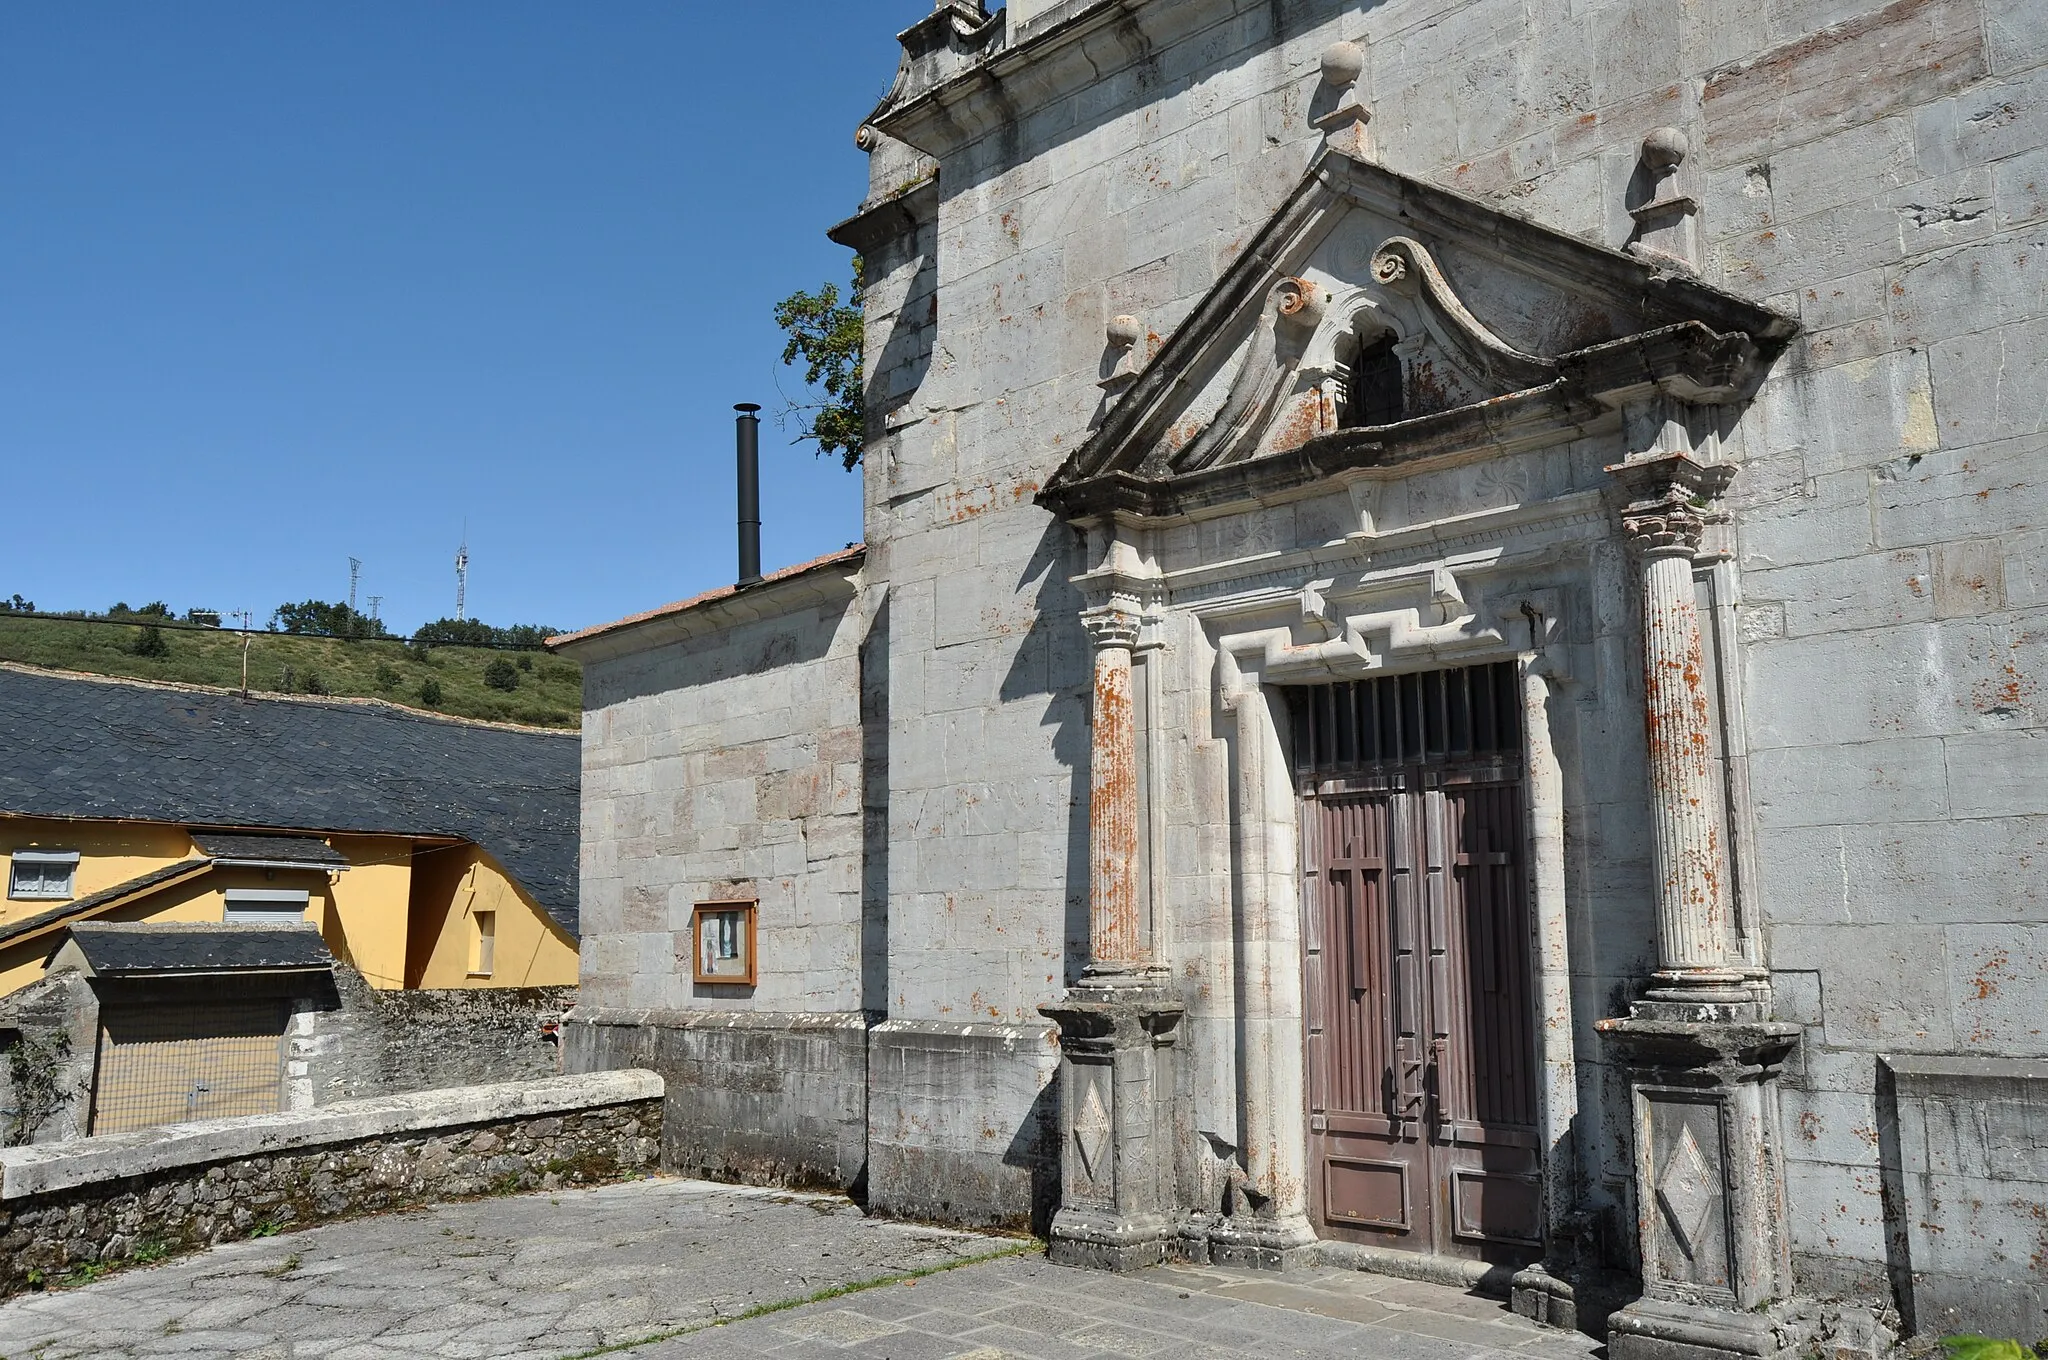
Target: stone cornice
{"x": 958, "y": 82}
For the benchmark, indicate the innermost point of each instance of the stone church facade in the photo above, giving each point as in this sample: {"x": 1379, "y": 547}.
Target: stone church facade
{"x": 1444, "y": 674}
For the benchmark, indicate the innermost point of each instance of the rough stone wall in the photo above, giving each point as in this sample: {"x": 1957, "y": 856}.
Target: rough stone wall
{"x": 384, "y": 1042}
{"x": 63, "y": 1005}
{"x": 44, "y": 1237}
{"x": 1874, "y": 169}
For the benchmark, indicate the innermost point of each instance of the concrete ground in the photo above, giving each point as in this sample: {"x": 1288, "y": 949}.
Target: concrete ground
{"x": 801, "y": 1276}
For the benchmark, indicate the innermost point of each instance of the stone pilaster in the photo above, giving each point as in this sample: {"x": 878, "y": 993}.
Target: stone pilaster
{"x": 1702, "y": 1060}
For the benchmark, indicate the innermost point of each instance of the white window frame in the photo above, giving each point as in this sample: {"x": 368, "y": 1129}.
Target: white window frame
{"x": 483, "y": 961}
{"x": 43, "y": 859}
{"x": 265, "y": 906}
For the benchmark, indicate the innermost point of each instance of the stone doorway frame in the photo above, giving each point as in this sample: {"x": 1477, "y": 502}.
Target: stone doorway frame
{"x": 1252, "y": 668}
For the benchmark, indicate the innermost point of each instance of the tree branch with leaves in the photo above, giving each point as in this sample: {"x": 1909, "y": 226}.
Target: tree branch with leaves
{"x": 825, "y": 335}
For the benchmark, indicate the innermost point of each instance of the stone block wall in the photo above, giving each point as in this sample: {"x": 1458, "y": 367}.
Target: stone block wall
{"x": 380, "y": 1042}
{"x": 100, "y": 1201}
{"x": 726, "y": 766}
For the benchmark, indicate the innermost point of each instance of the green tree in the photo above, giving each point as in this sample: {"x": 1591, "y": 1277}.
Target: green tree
{"x": 150, "y": 642}
{"x": 17, "y": 605}
{"x": 825, "y": 334}
{"x": 430, "y": 692}
{"x": 319, "y": 618}
{"x": 501, "y": 674}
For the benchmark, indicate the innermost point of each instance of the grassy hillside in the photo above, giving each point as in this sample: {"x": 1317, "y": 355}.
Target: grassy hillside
{"x": 549, "y": 691}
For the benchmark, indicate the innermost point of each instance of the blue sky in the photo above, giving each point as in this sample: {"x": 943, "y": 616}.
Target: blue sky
{"x": 282, "y": 284}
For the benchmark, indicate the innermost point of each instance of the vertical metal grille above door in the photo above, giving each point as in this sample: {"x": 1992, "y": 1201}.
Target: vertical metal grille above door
{"x": 1469, "y": 713}
{"x": 170, "y": 1063}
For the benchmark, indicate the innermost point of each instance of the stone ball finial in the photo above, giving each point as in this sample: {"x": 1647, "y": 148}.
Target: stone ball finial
{"x": 1125, "y": 331}
{"x": 1663, "y": 149}
{"x": 1343, "y": 63}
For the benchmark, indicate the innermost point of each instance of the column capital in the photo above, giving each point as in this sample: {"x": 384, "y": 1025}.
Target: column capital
{"x": 1667, "y": 501}
{"x": 1112, "y": 625}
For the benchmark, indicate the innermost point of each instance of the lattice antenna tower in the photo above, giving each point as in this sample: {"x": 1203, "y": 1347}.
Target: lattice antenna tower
{"x": 376, "y": 609}
{"x": 355, "y": 572}
{"x": 461, "y": 573}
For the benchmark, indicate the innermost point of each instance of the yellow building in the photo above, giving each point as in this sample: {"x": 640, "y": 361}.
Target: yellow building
{"x": 429, "y": 853}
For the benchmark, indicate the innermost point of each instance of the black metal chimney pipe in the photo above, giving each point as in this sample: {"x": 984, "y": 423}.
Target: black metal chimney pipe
{"x": 750, "y": 492}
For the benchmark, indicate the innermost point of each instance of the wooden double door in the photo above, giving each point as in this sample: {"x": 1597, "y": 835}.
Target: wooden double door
{"x": 1421, "y": 1044}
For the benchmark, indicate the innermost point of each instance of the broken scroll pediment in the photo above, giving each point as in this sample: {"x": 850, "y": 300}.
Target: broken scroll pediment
{"x": 1375, "y": 313}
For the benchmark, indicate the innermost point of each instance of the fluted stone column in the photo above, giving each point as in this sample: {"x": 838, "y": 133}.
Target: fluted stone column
{"x": 1115, "y": 946}
{"x": 1119, "y": 1024}
{"x": 1696, "y": 952}
{"x": 1702, "y": 1057}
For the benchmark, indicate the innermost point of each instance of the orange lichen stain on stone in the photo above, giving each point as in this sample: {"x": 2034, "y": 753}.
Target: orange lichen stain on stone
{"x": 1985, "y": 985}
{"x": 1810, "y": 1127}
{"x": 1304, "y": 423}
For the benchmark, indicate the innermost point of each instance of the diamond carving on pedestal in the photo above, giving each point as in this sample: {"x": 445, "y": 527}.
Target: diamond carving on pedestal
{"x": 1091, "y": 1132}
{"x": 1687, "y": 1190}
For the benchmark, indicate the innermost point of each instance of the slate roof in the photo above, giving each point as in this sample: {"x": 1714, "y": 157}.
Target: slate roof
{"x": 91, "y": 902}
{"x": 307, "y": 850}
{"x": 135, "y": 947}
{"x": 89, "y": 748}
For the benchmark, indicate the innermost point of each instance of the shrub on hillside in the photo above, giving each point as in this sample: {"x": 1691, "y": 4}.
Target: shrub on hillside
{"x": 387, "y": 677}
{"x": 430, "y": 692}
{"x": 314, "y": 684}
{"x": 501, "y": 674}
{"x": 150, "y": 642}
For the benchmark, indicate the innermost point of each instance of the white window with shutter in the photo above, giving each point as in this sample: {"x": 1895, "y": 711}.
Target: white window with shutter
{"x": 266, "y": 906}
{"x": 42, "y": 875}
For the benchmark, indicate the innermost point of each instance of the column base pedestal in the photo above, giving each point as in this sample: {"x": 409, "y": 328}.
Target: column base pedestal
{"x": 1662, "y": 1329}
{"x": 1248, "y": 1243}
{"x": 1096, "y": 1240}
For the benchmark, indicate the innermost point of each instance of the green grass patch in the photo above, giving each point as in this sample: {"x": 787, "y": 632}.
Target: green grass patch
{"x": 547, "y": 692}
{"x": 837, "y": 1291}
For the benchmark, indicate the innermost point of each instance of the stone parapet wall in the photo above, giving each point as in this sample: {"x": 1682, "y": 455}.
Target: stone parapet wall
{"x": 180, "y": 1187}
{"x": 762, "y": 1099}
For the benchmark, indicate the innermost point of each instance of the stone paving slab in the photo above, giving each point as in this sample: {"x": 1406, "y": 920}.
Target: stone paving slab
{"x": 526, "y": 1276}
{"x": 1021, "y": 1308}
{"x": 544, "y": 1277}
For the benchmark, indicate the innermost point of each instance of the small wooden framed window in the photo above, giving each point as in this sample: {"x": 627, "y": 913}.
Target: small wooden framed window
{"x": 483, "y": 944}
{"x": 722, "y": 943}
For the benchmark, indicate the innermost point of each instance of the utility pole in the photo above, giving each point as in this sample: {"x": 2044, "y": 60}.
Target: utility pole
{"x": 245, "y": 616}
{"x": 355, "y": 570}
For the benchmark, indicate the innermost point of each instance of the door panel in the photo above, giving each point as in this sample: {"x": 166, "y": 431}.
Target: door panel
{"x": 1422, "y": 1104}
{"x": 168, "y": 1064}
